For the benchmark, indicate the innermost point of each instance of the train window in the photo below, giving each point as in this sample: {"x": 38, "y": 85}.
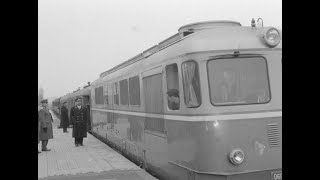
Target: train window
{"x": 110, "y": 89}
{"x": 115, "y": 93}
{"x": 124, "y": 92}
{"x": 238, "y": 81}
{"x": 134, "y": 90}
{"x": 105, "y": 94}
{"x": 191, "y": 84}
{"x": 173, "y": 87}
{"x": 99, "y": 95}
{"x": 152, "y": 92}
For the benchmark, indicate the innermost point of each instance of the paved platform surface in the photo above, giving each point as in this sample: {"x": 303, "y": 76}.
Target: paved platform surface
{"x": 93, "y": 161}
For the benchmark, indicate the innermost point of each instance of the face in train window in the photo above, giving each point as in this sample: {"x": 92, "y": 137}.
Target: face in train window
{"x": 238, "y": 81}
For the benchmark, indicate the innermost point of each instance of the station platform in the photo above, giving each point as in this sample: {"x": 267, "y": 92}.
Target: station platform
{"x": 93, "y": 161}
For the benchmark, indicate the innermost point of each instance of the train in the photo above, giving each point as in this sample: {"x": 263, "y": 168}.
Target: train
{"x": 56, "y": 106}
{"x": 226, "y": 82}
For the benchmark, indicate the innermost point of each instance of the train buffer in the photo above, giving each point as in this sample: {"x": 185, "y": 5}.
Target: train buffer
{"x": 95, "y": 160}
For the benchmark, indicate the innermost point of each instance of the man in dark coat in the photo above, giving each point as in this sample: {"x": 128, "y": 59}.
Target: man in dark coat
{"x": 45, "y": 120}
{"x": 64, "y": 117}
{"x": 79, "y": 119}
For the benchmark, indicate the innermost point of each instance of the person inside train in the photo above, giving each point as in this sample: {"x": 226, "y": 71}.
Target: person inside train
{"x": 227, "y": 89}
{"x": 173, "y": 99}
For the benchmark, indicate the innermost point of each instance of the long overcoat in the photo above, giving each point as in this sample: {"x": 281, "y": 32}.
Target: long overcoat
{"x": 38, "y": 129}
{"x": 64, "y": 117}
{"x": 45, "y": 119}
{"x": 80, "y": 120}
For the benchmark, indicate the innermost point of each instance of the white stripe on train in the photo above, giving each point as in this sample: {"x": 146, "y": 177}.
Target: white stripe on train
{"x": 199, "y": 118}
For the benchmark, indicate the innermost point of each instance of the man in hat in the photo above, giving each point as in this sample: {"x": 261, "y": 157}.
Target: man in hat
{"x": 64, "y": 117}
{"x": 173, "y": 99}
{"x": 79, "y": 119}
{"x": 45, "y": 120}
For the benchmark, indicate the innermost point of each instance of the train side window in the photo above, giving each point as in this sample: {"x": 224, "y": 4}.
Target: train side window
{"x": 99, "y": 95}
{"x": 109, "y": 92}
{"x": 191, "y": 84}
{"x": 134, "y": 90}
{"x": 105, "y": 94}
{"x": 152, "y": 92}
{"x": 173, "y": 95}
{"x": 115, "y": 93}
{"x": 124, "y": 92}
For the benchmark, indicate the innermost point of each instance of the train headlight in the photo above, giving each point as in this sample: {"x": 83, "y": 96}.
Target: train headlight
{"x": 236, "y": 156}
{"x": 272, "y": 36}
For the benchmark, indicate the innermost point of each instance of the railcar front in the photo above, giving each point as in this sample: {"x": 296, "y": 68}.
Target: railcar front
{"x": 230, "y": 117}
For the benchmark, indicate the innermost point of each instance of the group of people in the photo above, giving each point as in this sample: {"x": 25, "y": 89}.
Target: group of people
{"x": 79, "y": 118}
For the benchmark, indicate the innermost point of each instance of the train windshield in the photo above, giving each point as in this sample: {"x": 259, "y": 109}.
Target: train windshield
{"x": 236, "y": 81}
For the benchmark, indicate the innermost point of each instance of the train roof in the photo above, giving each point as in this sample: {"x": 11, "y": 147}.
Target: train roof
{"x": 203, "y": 36}
{"x": 81, "y": 92}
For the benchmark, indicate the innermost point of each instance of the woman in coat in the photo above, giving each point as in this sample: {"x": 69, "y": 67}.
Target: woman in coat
{"x": 45, "y": 120}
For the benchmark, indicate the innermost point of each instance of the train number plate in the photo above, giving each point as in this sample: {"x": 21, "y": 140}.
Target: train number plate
{"x": 276, "y": 175}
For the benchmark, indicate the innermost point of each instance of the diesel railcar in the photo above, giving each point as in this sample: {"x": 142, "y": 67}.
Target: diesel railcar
{"x": 228, "y": 121}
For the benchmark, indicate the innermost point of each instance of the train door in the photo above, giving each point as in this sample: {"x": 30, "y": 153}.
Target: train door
{"x": 110, "y": 91}
{"x": 86, "y": 103}
{"x": 154, "y": 125}
{"x": 112, "y": 116}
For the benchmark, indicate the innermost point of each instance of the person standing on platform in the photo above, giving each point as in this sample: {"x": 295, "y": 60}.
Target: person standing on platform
{"x": 38, "y": 132}
{"x": 45, "y": 119}
{"x": 79, "y": 119}
{"x": 64, "y": 117}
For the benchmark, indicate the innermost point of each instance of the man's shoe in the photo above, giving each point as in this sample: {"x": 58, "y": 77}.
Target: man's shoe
{"x": 77, "y": 145}
{"x": 39, "y": 152}
{"x": 81, "y": 144}
{"x": 46, "y": 149}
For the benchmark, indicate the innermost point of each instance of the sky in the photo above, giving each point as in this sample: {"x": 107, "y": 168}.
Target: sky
{"x": 79, "y": 39}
